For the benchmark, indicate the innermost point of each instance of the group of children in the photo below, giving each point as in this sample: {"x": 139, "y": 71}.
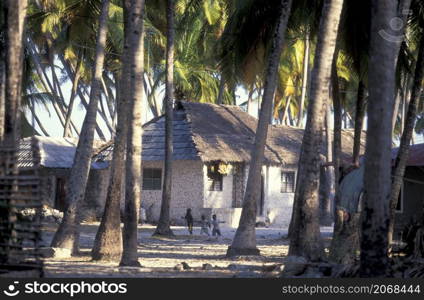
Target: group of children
{"x": 205, "y": 224}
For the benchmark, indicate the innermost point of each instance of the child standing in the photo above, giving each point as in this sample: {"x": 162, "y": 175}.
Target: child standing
{"x": 215, "y": 224}
{"x": 204, "y": 226}
{"x": 189, "y": 219}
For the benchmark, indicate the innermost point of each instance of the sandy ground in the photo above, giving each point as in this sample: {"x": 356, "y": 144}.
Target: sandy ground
{"x": 159, "y": 256}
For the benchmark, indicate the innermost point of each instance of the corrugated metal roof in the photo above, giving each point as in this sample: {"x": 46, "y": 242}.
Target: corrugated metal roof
{"x": 53, "y": 152}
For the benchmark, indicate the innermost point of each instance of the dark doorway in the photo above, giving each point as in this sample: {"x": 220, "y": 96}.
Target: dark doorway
{"x": 60, "y": 199}
{"x": 261, "y": 200}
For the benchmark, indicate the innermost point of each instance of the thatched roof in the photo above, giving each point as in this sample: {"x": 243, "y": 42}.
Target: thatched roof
{"x": 225, "y": 133}
{"x": 53, "y": 152}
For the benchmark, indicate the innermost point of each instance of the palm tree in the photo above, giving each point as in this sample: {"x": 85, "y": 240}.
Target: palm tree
{"x": 67, "y": 234}
{"x": 164, "y": 227}
{"x": 134, "y": 146}
{"x": 75, "y": 81}
{"x": 305, "y": 238}
{"x": 13, "y": 18}
{"x": 305, "y": 75}
{"x": 403, "y": 152}
{"x": 108, "y": 241}
{"x": 359, "y": 121}
{"x": 377, "y": 178}
{"x": 244, "y": 242}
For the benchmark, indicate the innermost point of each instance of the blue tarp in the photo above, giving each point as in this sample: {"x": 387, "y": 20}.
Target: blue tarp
{"x": 351, "y": 189}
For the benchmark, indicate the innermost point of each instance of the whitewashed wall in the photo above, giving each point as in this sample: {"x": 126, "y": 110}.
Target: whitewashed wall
{"x": 278, "y": 206}
{"x": 187, "y": 190}
{"x": 218, "y": 199}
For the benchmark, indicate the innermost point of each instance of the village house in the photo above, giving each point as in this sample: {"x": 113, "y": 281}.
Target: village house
{"x": 55, "y": 157}
{"x": 212, "y": 145}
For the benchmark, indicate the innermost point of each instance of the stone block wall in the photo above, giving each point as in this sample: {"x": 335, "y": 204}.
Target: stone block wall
{"x": 187, "y": 191}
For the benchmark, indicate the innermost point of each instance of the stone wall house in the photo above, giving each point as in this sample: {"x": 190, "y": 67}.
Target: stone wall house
{"x": 212, "y": 145}
{"x": 56, "y": 156}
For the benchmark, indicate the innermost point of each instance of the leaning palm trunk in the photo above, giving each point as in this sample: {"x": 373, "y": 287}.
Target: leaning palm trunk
{"x": 81, "y": 96}
{"x": 359, "y": 121}
{"x": 221, "y": 90}
{"x": 337, "y": 139}
{"x": 305, "y": 76}
{"x": 403, "y": 152}
{"x": 164, "y": 226}
{"x": 305, "y": 237}
{"x": 377, "y": 178}
{"x": 67, "y": 234}
{"x": 108, "y": 241}
{"x": 135, "y": 131}
{"x": 67, "y": 130}
{"x": 244, "y": 242}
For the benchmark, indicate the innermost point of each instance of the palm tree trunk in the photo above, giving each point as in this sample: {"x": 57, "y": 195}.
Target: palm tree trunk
{"x": 37, "y": 120}
{"x": 68, "y": 232}
{"x": 108, "y": 241}
{"x": 377, "y": 178}
{"x": 249, "y": 100}
{"x": 337, "y": 140}
{"x": 396, "y": 110}
{"x": 359, "y": 122}
{"x": 244, "y": 242}
{"x": 2, "y": 94}
{"x": 286, "y": 110}
{"x": 305, "y": 76}
{"x": 403, "y": 152}
{"x": 84, "y": 102}
{"x": 221, "y": 91}
{"x": 135, "y": 131}
{"x": 66, "y": 129}
{"x": 305, "y": 238}
{"x": 164, "y": 226}
{"x": 14, "y": 19}
{"x": 109, "y": 97}
{"x": 45, "y": 81}
{"x": 2, "y": 71}
{"x": 326, "y": 218}
{"x": 339, "y": 250}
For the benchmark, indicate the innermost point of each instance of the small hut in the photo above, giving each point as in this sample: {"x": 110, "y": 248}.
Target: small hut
{"x": 56, "y": 157}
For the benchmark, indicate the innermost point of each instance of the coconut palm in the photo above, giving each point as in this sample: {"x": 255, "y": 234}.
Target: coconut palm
{"x": 305, "y": 239}
{"x": 164, "y": 226}
{"x": 67, "y": 234}
{"x": 377, "y": 178}
{"x": 13, "y": 18}
{"x": 244, "y": 242}
{"x": 134, "y": 146}
{"x": 108, "y": 241}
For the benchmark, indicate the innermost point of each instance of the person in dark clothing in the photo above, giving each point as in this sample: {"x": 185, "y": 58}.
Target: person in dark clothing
{"x": 189, "y": 220}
